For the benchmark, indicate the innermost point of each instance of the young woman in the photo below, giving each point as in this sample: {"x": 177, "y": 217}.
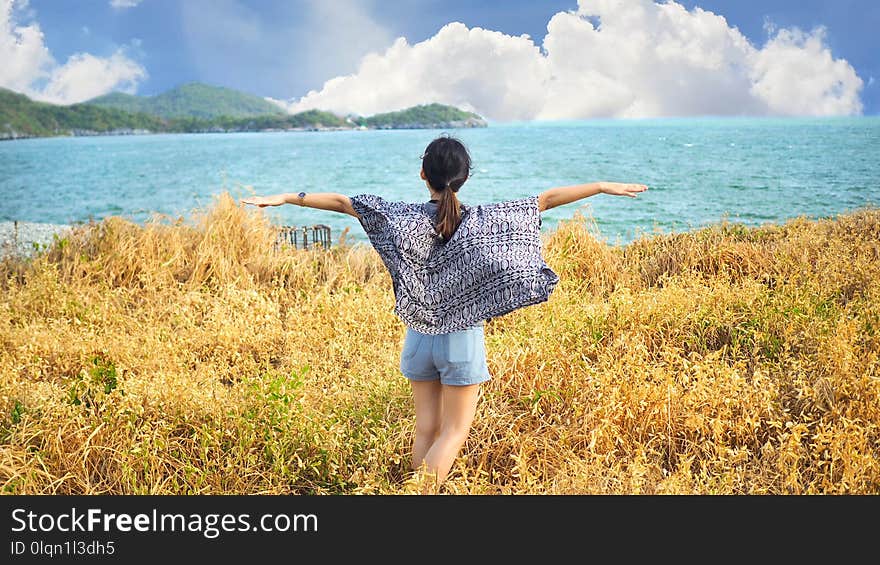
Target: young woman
{"x": 452, "y": 267}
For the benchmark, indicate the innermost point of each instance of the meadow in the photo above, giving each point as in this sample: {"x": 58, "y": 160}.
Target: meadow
{"x": 192, "y": 356}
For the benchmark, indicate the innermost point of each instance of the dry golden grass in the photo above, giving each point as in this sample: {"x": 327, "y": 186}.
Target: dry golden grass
{"x": 192, "y": 357}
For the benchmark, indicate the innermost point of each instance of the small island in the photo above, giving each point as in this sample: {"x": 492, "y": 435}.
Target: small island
{"x": 197, "y": 108}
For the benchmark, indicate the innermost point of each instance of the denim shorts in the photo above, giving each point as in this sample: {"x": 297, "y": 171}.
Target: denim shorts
{"x": 457, "y": 358}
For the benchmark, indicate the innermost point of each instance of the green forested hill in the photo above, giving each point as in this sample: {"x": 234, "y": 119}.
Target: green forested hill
{"x": 193, "y": 100}
{"x": 426, "y": 115}
{"x": 22, "y": 117}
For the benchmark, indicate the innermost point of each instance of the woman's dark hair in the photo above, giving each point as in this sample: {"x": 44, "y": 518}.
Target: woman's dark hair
{"x": 447, "y": 165}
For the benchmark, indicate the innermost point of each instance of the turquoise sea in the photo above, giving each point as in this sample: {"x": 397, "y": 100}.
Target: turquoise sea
{"x": 749, "y": 170}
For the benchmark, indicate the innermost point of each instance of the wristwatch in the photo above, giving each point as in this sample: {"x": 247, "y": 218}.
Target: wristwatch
{"x": 302, "y": 196}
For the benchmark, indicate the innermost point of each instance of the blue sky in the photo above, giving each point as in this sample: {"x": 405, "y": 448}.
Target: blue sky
{"x": 284, "y": 49}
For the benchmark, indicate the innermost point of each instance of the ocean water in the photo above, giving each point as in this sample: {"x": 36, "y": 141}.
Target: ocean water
{"x": 699, "y": 171}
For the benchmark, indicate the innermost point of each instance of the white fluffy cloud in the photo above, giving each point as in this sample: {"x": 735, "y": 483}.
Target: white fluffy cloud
{"x": 609, "y": 58}
{"x": 29, "y": 67}
{"x": 796, "y": 74}
{"x": 121, "y": 4}
{"x": 470, "y": 68}
{"x": 85, "y": 76}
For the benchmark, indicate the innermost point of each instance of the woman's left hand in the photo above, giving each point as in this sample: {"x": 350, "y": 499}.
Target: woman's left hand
{"x": 622, "y": 189}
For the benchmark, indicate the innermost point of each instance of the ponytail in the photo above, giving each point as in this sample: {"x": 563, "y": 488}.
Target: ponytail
{"x": 448, "y": 212}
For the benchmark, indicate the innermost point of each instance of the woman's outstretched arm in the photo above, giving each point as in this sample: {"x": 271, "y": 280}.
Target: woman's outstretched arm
{"x": 561, "y": 195}
{"x": 331, "y": 201}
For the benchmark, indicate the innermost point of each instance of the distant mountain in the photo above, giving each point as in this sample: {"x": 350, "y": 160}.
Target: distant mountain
{"x": 21, "y": 117}
{"x": 193, "y": 100}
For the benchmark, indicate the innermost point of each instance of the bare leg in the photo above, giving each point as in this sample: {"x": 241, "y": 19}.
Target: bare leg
{"x": 428, "y": 404}
{"x": 459, "y": 406}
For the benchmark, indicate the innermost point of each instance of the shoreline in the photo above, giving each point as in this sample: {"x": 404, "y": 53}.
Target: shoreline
{"x": 127, "y": 132}
{"x": 24, "y": 238}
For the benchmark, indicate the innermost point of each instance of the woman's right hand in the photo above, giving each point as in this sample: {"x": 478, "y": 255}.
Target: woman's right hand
{"x": 263, "y": 201}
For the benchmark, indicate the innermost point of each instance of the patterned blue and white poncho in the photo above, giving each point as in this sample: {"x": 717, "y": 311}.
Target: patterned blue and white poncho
{"x": 492, "y": 264}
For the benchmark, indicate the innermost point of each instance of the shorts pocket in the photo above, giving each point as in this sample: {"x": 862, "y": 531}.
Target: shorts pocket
{"x": 461, "y": 347}
{"x": 410, "y": 345}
